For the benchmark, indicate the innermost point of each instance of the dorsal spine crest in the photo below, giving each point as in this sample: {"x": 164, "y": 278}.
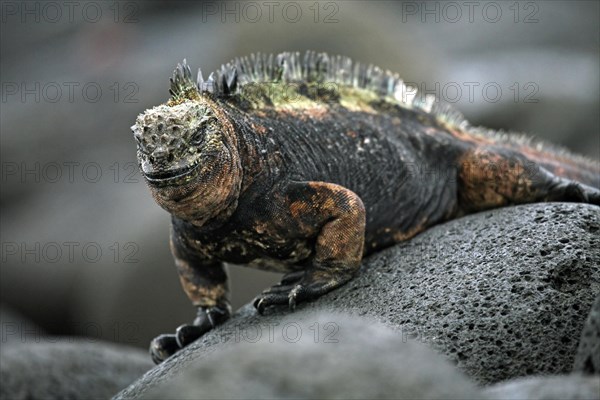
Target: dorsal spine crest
{"x": 316, "y": 68}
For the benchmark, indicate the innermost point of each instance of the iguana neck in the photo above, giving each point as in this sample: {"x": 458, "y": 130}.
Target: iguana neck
{"x": 212, "y": 197}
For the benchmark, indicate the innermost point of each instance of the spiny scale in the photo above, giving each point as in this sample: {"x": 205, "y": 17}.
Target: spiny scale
{"x": 312, "y": 67}
{"x": 181, "y": 81}
{"x": 315, "y": 67}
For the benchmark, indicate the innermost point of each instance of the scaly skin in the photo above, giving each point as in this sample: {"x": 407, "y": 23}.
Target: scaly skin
{"x": 306, "y": 176}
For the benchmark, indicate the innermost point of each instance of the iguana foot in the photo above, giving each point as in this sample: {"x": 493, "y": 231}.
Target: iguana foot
{"x": 164, "y": 346}
{"x": 294, "y": 288}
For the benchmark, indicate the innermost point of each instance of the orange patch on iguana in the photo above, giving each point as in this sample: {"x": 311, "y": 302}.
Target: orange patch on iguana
{"x": 259, "y": 128}
{"x": 412, "y": 232}
{"x": 299, "y": 208}
{"x": 469, "y": 137}
{"x": 317, "y": 113}
{"x": 203, "y": 296}
{"x": 492, "y": 180}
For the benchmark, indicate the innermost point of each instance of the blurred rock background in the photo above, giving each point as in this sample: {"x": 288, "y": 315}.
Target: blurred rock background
{"x": 84, "y": 247}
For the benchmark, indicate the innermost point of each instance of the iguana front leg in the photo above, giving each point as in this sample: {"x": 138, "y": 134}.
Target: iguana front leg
{"x": 205, "y": 283}
{"x": 336, "y": 216}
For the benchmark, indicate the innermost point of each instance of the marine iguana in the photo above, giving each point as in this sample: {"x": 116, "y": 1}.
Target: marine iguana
{"x": 306, "y": 164}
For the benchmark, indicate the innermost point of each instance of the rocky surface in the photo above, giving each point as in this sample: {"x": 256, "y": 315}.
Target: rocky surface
{"x": 569, "y": 387}
{"x": 309, "y": 357}
{"x": 66, "y": 368}
{"x": 16, "y": 328}
{"x": 501, "y": 294}
{"x": 587, "y": 360}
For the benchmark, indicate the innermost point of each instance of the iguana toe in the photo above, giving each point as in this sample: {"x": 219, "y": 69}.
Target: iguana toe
{"x": 267, "y": 299}
{"x": 186, "y": 334}
{"x": 162, "y": 347}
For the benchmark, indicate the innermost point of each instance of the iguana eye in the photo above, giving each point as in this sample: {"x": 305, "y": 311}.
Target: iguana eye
{"x": 198, "y": 137}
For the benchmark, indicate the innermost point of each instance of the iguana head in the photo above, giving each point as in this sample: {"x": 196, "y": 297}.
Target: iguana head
{"x": 173, "y": 140}
{"x": 187, "y": 153}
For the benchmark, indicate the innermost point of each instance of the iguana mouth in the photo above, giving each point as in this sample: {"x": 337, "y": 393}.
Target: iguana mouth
{"x": 172, "y": 176}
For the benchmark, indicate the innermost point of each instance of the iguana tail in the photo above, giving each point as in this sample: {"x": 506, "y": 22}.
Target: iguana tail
{"x": 555, "y": 159}
{"x": 562, "y": 163}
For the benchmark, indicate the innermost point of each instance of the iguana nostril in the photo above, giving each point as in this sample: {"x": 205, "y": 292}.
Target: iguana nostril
{"x": 160, "y": 153}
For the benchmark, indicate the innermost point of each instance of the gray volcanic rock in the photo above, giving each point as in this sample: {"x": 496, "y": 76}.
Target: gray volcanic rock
{"x": 310, "y": 357}
{"x": 16, "y": 328}
{"x": 566, "y": 387}
{"x": 587, "y": 359}
{"x": 62, "y": 368}
{"x": 502, "y": 294}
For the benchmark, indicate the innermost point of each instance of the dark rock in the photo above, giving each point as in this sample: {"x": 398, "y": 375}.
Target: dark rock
{"x": 587, "y": 359}
{"x": 63, "y": 368}
{"x": 567, "y": 387}
{"x": 309, "y": 357}
{"x": 16, "y": 328}
{"x": 502, "y": 294}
